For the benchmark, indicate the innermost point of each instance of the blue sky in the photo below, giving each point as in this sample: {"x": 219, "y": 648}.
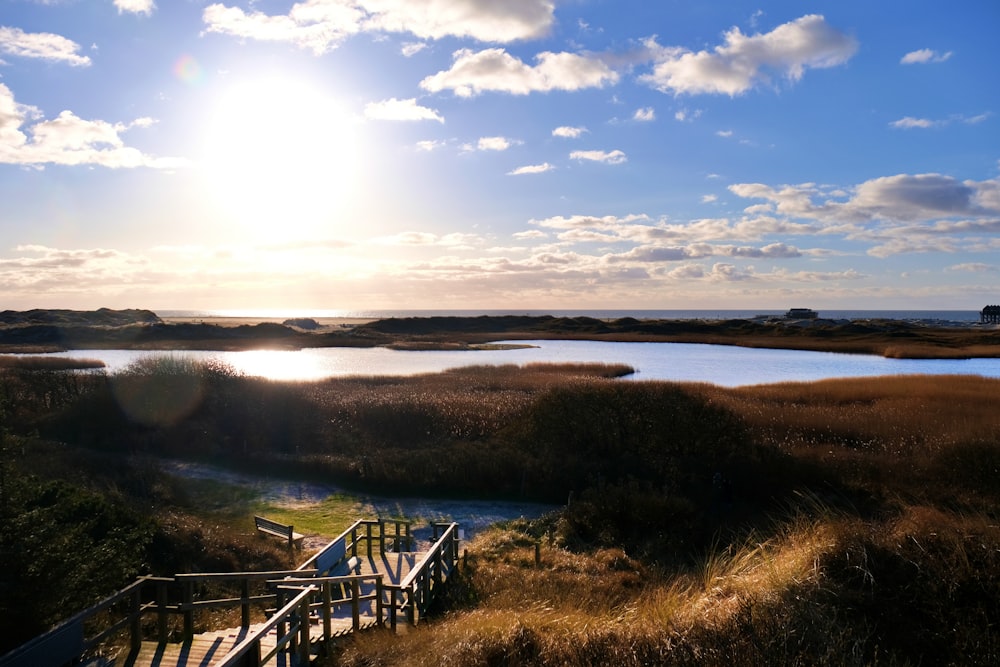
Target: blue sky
{"x": 526, "y": 154}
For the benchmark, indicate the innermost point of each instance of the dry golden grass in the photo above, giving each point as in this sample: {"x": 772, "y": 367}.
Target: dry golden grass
{"x": 912, "y": 579}
{"x": 820, "y": 591}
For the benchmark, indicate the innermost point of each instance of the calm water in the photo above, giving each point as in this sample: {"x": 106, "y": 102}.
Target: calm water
{"x": 717, "y": 364}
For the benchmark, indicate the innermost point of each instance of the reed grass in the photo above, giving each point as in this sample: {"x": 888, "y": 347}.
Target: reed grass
{"x": 859, "y": 525}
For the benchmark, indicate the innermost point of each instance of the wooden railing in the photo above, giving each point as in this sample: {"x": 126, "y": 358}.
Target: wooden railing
{"x": 291, "y": 624}
{"x": 310, "y": 587}
{"x": 162, "y": 597}
{"x": 68, "y": 640}
{"x": 368, "y": 532}
{"x": 333, "y": 593}
{"x": 191, "y": 602}
{"x": 413, "y": 594}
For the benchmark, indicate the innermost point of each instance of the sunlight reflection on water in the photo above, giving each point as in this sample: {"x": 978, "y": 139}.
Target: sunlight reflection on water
{"x": 717, "y": 364}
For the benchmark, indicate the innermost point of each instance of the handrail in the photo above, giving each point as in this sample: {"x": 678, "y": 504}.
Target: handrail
{"x": 432, "y": 570}
{"x": 350, "y": 531}
{"x": 328, "y": 603}
{"x": 428, "y": 556}
{"x": 236, "y": 576}
{"x": 176, "y": 595}
{"x": 67, "y": 640}
{"x": 253, "y": 640}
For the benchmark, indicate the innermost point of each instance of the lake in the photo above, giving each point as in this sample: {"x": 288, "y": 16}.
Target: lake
{"x": 717, "y": 364}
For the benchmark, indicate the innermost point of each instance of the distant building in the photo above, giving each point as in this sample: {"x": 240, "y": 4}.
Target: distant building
{"x": 990, "y": 315}
{"x": 802, "y": 314}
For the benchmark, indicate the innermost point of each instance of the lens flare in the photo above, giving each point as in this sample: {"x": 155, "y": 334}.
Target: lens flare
{"x": 188, "y": 70}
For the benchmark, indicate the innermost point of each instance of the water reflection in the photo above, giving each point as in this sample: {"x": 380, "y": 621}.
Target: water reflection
{"x": 717, "y": 364}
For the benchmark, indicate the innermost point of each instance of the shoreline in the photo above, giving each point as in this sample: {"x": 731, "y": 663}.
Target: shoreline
{"x": 39, "y": 332}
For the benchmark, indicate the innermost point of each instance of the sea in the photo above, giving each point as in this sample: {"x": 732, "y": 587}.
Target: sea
{"x": 609, "y": 314}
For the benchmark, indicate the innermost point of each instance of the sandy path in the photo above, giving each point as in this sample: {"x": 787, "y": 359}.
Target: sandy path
{"x": 471, "y": 515}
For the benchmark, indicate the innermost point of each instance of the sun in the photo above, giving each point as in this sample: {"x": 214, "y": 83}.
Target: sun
{"x": 280, "y": 159}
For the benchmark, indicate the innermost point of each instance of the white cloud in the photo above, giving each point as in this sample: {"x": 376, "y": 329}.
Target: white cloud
{"x": 430, "y": 145}
{"x": 318, "y": 26}
{"x": 68, "y": 139}
{"x": 567, "y": 132}
{"x": 493, "y": 143}
{"x": 322, "y": 25}
{"x": 923, "y": 56}
{"x": 608, "y": 157}
{"x": 644, "y": 115}
{"x": 414, "y": 238}
{"x": 531, "y": 169}
{"x": 676, "y": 253}
{"x": 412, "y": 48}
{"x": 724, "y": 133}
{"x": 708, "y": 199}
{"x": 41, "y": 45}
{"x": 393, "y": 109}
{"x": 135, "y": 6}
{"x": 742, "y": 61}
{"x": 901, "y": 198}
{"x": 908, "y": 122}
{"x": 473, "y": 73}
{"x": 482, "y": 20}
{"x": 975, "y": 267}
{"x": 728, "y": 273}
{"x": 685, "y": 115}
{"x": 587, "y": 221}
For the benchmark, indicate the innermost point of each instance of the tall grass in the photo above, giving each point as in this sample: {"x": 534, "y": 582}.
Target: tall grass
{"x": 828, "y": 590}
{"x": 838, "y": 522}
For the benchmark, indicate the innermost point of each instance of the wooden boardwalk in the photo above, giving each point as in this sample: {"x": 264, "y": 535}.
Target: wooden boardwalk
{"x": 365, "y": 578}
{"x": 205, "y": 649}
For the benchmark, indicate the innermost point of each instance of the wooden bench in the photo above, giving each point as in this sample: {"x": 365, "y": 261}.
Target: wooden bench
{"x": 276, "y": 529}
{"x": 342, "y": 591}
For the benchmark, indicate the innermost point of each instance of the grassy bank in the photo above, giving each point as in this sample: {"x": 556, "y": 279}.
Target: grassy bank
{"x": 54, "y": 331}
{"x": 839, "y": 522}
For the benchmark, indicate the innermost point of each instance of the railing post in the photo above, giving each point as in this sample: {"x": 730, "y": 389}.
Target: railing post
{"x": 304, "y": 631}
{"x": 279, "y": 595}
{"x": 354, "y": 540}
{"x": 409, "y": 537}
{"x": 437, "y": 568}
{"x": 327, "y": 610}
{"x": 245, "y": 603}
{"x": 393, "y": 606}
{"x": 411, "y": 604}
{"x": 161, "y": 611}
{"x": 368, "y": 539}
{"x": 379, "y": 606}
{"x": 355, "y": 604}
{"x": 255, "y": 655}
{"x": 426, "y": 592}
{"x": 187, "y": 600}
{"x": 135, "y": 625}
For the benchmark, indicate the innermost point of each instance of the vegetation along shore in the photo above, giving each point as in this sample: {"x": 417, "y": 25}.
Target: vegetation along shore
{"x": 838, "y": 522}
{"x": 59, "y": 330}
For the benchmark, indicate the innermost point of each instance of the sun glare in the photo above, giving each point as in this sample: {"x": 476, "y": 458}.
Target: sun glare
{"x": 280, "y": 159}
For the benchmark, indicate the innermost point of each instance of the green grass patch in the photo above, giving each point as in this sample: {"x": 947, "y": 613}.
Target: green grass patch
{"x": 236, "y": 504}
{"x": 329, "y": 517}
